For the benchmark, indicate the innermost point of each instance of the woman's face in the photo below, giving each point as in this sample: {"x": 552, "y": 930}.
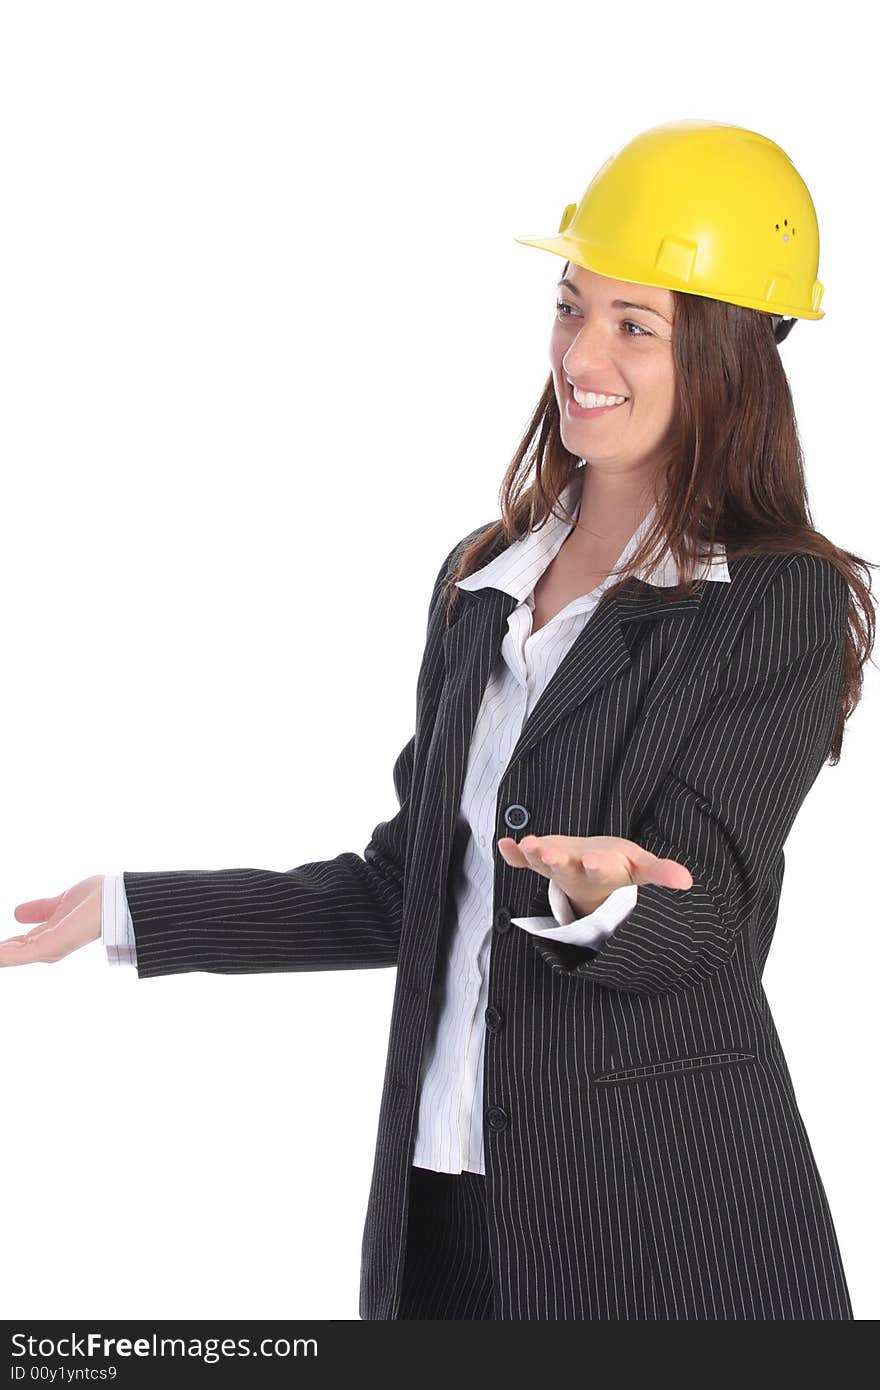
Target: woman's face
{"x": 614, "y": 349}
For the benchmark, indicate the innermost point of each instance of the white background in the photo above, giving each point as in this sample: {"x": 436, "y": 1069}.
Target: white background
{"x": 268, "y": 346}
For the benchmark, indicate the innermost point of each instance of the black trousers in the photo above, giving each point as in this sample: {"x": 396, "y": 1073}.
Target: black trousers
{"x": 447, "y": 1273}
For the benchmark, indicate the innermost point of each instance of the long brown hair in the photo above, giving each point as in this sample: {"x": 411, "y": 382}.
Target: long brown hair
{"x": 735, "y": 472}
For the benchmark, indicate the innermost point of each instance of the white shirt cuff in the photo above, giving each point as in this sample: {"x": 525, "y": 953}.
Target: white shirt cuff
{"x": 591, "y": 930}
{"x": 117, "y": 928}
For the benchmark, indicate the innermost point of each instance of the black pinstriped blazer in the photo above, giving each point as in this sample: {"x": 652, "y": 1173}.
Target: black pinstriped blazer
{"x": 645, "y": 1154}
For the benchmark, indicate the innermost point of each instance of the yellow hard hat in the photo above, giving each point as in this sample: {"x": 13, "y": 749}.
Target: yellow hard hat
{"x": 703, "y": 208}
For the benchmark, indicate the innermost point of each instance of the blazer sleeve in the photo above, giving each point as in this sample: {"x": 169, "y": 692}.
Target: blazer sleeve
{"x": 730, "y": 798}
{"x": 333, "y": 914}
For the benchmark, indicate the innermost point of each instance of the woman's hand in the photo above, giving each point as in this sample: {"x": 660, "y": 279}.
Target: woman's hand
{"x": 71, "y": 920}
{"x": 588, "y": 869}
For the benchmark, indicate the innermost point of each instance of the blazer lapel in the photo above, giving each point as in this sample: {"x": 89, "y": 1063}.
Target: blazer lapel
{"x": 599, "y": 653}
{"x": 470, "y": 646}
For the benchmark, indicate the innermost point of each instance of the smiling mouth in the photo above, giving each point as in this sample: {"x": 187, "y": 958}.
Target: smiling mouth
{"x": 597, "y": 409}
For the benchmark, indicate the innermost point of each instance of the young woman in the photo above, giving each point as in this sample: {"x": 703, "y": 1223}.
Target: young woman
{"x": 630, "y": 682}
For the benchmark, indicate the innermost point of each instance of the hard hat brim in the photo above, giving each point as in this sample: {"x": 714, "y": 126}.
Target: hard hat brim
{"x": 595, "y": 259}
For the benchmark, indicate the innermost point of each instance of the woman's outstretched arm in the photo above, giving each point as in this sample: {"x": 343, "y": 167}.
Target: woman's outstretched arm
{"x": 334, "y": 914}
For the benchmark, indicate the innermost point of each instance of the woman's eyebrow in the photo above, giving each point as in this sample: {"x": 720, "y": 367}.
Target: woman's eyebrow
{"x": 617, "y": 303}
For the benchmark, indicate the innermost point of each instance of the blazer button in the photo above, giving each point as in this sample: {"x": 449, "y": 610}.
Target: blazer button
{"x": 494, "y": 1018}
{"x": 502, "y": 919}
{"x": 515, "y": 817}
{"x": 496, "y": 1118}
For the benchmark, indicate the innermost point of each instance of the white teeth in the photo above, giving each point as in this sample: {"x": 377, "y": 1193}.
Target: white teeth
{"x": 589, "y": 399}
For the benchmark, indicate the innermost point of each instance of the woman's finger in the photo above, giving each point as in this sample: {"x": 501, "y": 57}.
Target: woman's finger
{"x": 561, "y": 859}
{"x": 48, "y": 943}
{"x": 37, "y": 909}
{"x": 511, "y": 852}
{"x": 537, "y": 852}
{"x": 666, "y": 873}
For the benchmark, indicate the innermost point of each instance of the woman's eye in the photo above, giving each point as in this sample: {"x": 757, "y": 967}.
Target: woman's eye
{"x": 627, "y": 323}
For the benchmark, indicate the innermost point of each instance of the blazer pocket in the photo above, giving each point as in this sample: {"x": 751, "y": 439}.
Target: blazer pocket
{"x": 675, "y": 1065}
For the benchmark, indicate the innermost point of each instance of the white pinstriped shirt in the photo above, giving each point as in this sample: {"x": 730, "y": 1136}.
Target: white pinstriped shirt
{"x": 449, "y": 1135}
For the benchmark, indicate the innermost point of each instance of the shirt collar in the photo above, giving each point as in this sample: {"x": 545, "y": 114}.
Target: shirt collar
{"x": 518, "y": 568}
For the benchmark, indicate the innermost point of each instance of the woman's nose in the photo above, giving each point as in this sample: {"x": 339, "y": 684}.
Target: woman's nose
{"x": 588, "y": 349}
{"x": 587, "y": 364}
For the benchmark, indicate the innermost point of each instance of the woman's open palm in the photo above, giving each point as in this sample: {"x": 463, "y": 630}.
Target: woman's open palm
{"x": 65, "y": 923}
{"x": 588, "y": 868}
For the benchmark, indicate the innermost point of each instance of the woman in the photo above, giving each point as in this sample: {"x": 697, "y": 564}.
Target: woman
{"x": 639, "y": 670}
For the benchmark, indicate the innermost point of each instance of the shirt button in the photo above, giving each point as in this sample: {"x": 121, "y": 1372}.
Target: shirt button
{"x": 516, "y": 817}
